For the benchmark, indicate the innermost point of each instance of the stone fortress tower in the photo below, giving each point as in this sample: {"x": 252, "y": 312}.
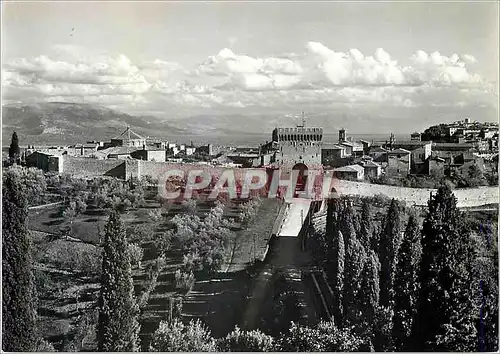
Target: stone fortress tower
{"x": 298, "y": 145}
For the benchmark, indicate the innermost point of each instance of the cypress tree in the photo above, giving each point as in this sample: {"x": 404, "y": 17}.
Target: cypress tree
{"x": 118, "y": 326}
{"x": 382, "y": 329}
{"x": 368, "y": 294}
{"x": 354, "y": 264}
{"x": 388, "y": 250}
{"x": 337, "y": 275}
{"x": 445, "y": 317}
{"x": 19, "y": 314}
{"x": 14, "y": 150}
{"x": 366, "y": 225}
{"x": 347, "y": 220}
{"x": 406, "y": 284}
{"x": 335, "y": 255}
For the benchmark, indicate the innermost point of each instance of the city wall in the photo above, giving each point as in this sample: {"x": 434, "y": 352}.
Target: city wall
{"x": 125, "y": 169}
{"x": 468, "y": 197}
{"x": 87, "y": 167}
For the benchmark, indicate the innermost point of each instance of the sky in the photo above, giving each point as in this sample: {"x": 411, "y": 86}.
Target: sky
{"x": 380, "y": 64}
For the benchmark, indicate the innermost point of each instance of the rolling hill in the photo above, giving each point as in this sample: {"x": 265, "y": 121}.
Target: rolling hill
{"x": 74, "y": 123}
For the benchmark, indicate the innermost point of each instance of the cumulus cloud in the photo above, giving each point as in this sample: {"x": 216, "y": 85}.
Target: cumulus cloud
{"x": 317, "y": 75}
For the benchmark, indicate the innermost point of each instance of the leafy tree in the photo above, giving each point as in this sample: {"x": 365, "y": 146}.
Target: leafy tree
{"x": 174, "y": 336}
{"x": 118, "y": 326}
{"x": 184, "y": 281}
{"x": 153, "y": 271}
{"x": 44, "y": 347}
{"x": 406, "y": 284}
{"x": 190, "y": 206}
{"x": 445, "y": 315}
{"x": 155, "y": 215}
{"x": 135, "y": 253}
{"x": 19, "y": 294}
{"x": 435, "y": 133}
{"x": 368, "y": 295}
{"x": 163, "y": 241}
{"x": 390, "y": 239}
{"x": 246, "y": 341}
{"x": 248, "y": 212}
{"x": 33, "y": 183}
{"x": 140, "y": 233}
{"x": 14, "y": 150}
{"x": 70, "y": 213}
{"x": 83, "y": 330}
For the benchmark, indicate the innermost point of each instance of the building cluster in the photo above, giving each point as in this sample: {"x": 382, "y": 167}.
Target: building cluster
{"x": 297, "y": 147}
{"x": 128, "y": 145}
{"x": 483, "y": 134}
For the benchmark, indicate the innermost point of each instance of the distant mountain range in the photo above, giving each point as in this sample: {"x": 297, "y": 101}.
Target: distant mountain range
{"x": 71, "y": 123}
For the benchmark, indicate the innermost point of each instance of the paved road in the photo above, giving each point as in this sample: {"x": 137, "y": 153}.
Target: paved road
{"x": 286, "y": 253}
{"x": 295, "y": 214}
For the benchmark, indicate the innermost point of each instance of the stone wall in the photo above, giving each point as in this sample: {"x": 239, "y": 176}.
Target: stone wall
{"x": 291, "y": 153}
{"x": 87, "y": 167}
{"x": 466, "y": 197}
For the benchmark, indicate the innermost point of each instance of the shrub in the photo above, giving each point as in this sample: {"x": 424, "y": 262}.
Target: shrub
{"x": 246, "y": 341}
{"x": 155, "y": 215}
{"x": 184, "y": 281}
{"x": 163, "y": 242}
{"x": 73, "y": 256}
{"x": 192, "y": 262}
{"x": 140, "y": 233}
{"x": 189, "y": 206}
{"x": 174, "y": 336}
{"x": 135, "y": 253}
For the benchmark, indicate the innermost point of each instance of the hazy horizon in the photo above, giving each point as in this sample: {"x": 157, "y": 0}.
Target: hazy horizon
{"x": 368, "y": 67}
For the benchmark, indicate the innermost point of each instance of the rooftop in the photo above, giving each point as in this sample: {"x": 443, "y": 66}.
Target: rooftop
{"x": 398, "y": 151}
{"x": 350, "y": 168}
{"x": 370, "y": 163}
{"x": 332, "y": 146}
{"x": 115, "y": 150}
{"x": 129, "y": 134}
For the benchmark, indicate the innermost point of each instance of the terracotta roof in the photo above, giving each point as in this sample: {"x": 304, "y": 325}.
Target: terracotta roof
{"x": 377, "y": 149}
{"x": 350, "y": 168}
{"x": 371, "y": 164}
{"x": 398, "y": 151}
{"x": 129, "y": 134}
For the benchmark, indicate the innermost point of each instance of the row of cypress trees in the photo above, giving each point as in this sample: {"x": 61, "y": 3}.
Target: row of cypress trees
{"x": 402, "y": 285}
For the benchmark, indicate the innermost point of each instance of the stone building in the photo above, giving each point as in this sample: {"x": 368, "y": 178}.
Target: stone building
{"x": 298, "y": 145}
{"x": 333, "y": 155}
{"x": 372, "y": 169}
{"x": 355, "y": 148}
{"x": 398, "y": 162}
{"x": 128, "y": 138}
{"x": 48, "y": 162}
{"x": 351, "y": 172}
{"x": 420, "y": 151}
{"x": 159, "y": 155}
{"x": 436, "y": 166}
